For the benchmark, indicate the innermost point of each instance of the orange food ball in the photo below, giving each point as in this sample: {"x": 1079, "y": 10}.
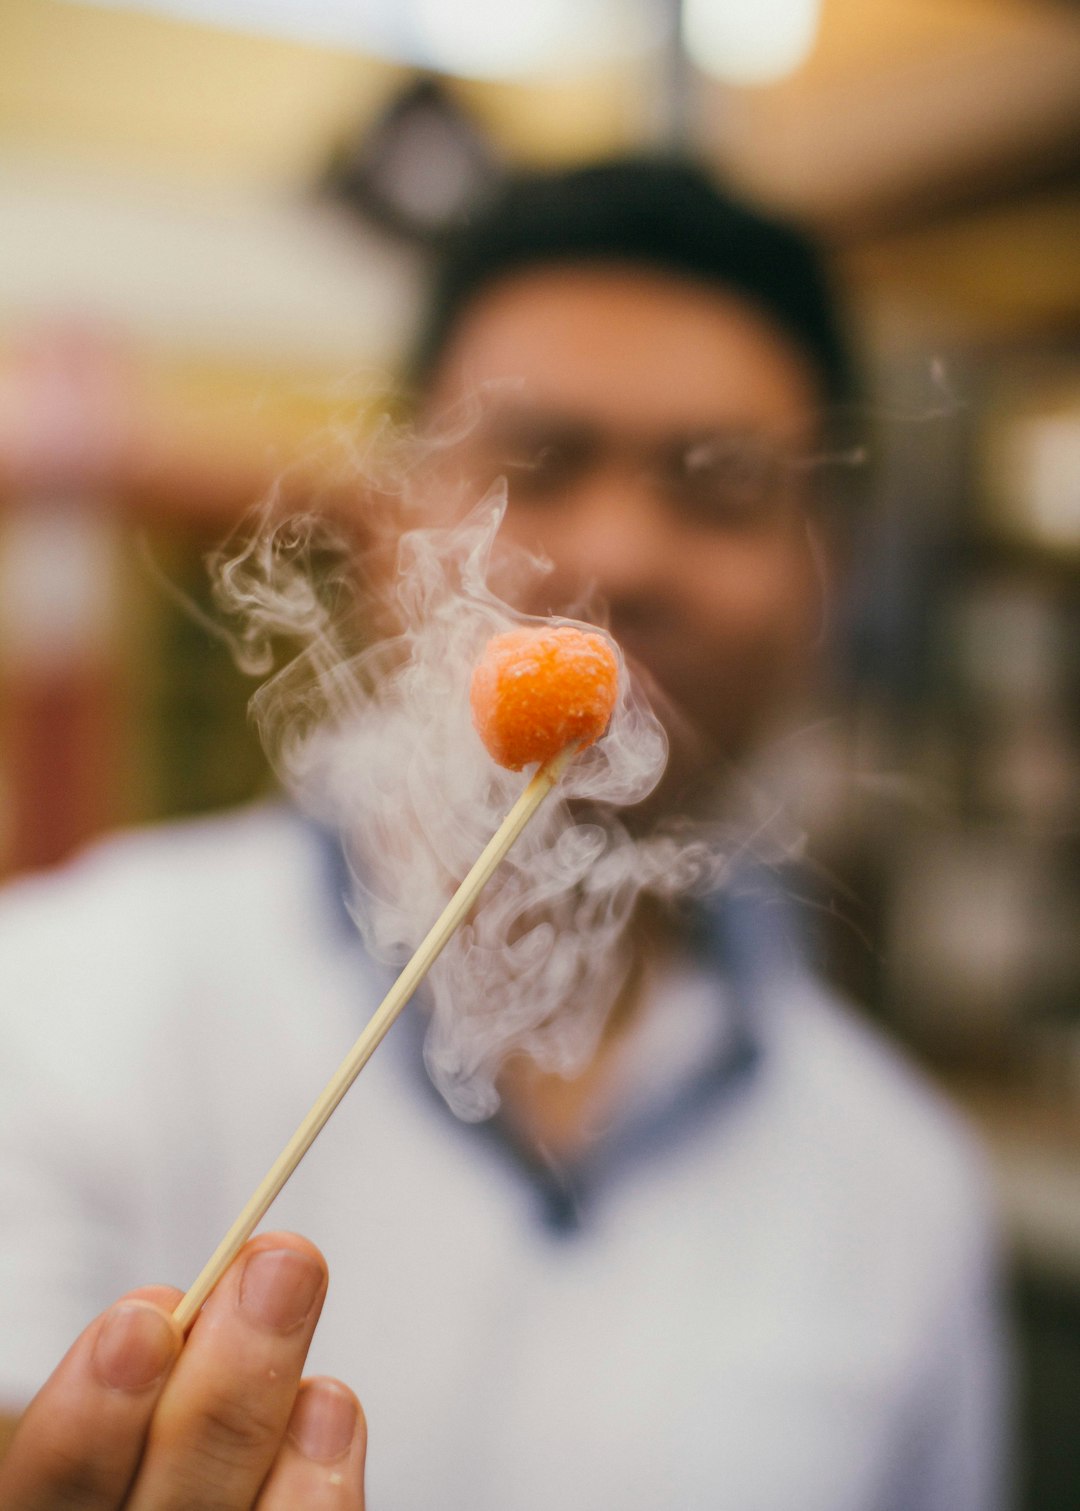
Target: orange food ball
{"x": 536, "y": 690}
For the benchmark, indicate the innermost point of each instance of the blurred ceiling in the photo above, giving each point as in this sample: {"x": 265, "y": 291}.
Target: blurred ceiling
{"x": 159, "y": 173}
{"x": 902, "y": 103}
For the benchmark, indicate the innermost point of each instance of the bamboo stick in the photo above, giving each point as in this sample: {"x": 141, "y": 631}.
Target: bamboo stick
{"x": 448, "y": 922}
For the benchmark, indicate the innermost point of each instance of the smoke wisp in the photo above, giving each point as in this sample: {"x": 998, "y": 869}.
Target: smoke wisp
{"x": 375, "y": 738}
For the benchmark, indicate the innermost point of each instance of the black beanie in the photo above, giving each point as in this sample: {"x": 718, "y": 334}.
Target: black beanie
{"x": 661, "y": 213}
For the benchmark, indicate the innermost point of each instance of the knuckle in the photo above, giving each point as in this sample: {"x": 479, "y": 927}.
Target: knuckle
{"x": 229, "y": 1428}
{"x": 227, "y": 1440}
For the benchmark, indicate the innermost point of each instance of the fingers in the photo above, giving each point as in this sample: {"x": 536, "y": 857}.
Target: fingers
{"x": 128, "y": 1420}
{"x": 224, "y": 1411}
{"x": 321, "y": 1463}
{"x": 79, "y": 1443}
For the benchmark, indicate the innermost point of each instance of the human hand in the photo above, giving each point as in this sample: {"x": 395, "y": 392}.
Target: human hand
{"x": 135, "y": 1419}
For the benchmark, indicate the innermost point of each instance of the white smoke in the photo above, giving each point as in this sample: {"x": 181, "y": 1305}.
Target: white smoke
{"x": 377, "y": 740}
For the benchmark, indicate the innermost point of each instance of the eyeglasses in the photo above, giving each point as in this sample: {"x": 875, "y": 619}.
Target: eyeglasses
{"x": 716, "y": 478}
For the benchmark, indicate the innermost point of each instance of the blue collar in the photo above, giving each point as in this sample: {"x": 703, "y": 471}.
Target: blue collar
{"x": 744, "y": 938}
{"x": 726, "y": 937}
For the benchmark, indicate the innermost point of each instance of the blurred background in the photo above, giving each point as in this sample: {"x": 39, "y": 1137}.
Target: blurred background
{"x": 213, "y": 218}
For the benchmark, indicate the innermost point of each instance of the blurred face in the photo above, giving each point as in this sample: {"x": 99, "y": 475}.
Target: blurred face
{"x": 653, "y": 434}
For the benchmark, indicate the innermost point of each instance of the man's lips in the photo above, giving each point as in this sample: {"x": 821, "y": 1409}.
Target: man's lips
{"x": 659, "y": 659}
{"x": 662, "y": 690}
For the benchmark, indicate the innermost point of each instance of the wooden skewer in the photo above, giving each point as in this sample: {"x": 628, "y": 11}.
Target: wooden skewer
{"x": 451, "y": 918}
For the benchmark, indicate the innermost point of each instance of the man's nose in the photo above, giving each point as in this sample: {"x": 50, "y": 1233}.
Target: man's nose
{"x": 618, "y": 536}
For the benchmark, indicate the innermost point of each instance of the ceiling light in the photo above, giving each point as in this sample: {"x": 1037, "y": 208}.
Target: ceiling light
{"x": 750, "y": 41}
{"x": 491, "y": 37}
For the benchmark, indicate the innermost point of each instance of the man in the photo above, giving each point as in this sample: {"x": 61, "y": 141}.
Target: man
{"x": 741, "y": 1259}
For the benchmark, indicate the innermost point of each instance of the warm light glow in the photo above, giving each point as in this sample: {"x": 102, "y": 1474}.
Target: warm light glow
{"x": 750, "y": 41}
{"x": 473, "y": 38}
{"x": 491, "y": 37}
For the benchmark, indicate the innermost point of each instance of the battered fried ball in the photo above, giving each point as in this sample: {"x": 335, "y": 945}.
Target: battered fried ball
{"x": 538, "y": 689}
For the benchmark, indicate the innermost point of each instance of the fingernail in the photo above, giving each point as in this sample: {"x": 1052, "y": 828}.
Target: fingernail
{"x": 134, "y": 1347}
{"x": 279, "y": 1287}
{"x": 323, "y": 1422}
